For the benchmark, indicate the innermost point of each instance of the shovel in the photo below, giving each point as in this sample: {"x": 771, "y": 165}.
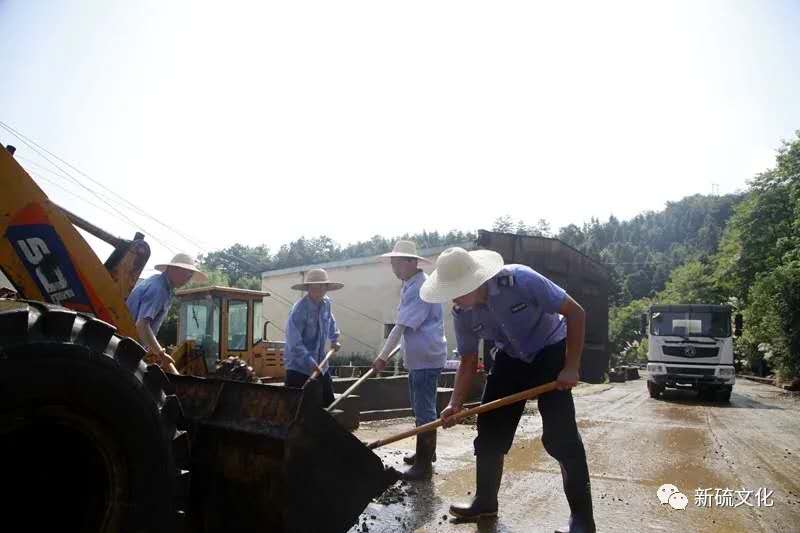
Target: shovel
{"x": 318, "y": 367}
{"x": 361, "y": 380}
{"x": 491, "y": 406}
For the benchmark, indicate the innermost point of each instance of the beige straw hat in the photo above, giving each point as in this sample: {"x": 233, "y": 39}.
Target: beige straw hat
{"x": 405, "y": 249}
{"x": 459, "y": 272}
{"x": 185, "y": 262}
{"x": 317, "y": 276}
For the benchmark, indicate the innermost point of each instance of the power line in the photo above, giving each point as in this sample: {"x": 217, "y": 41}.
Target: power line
{"x": 133, "y": 207}
{"x": 339, "y": 304}
{"x": 121, "y": 198}
{"x": 54, "y": 184}
{"x": 171, "y": 246}
{"x": 290, "y": 305}
{"x": 63, "y": 174}
{"x": 33, "y": 147}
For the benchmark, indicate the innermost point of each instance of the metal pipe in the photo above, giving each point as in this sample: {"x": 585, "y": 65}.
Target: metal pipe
{"x": 87, "y": 226}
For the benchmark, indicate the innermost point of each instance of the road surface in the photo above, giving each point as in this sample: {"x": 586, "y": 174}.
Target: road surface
{"x": 635, "y": 444}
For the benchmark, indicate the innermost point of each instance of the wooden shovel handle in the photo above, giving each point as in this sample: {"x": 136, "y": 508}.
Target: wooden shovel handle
{"x": 318, "y": 370}
{"x": 500, "y": 402}
{"x": 361, "y": 380}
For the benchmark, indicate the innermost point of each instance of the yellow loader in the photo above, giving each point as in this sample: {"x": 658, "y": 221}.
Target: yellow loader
{"x": 94, "y": 439}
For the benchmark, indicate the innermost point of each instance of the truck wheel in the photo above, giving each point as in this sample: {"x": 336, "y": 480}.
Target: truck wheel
{"x": 724, "y": 396}
{"x": 88, "y": 437}
{"x": 706, "y": 394}
{"x": 654, "y": 390}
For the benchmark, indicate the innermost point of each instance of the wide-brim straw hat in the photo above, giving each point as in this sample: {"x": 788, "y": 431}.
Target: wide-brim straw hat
{"x": 317, "y": 276}
{"x": 459, "y": 272}
{"x": 185, "y": 262}
{"x": 406, "y": 249}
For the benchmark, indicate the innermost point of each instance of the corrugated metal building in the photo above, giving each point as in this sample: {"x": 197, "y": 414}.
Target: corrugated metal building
{"x": 586, "y": 280}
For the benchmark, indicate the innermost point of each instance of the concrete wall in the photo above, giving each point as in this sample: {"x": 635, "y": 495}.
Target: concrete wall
{"x": 390, "y": 394}
{"x": 362, "y": 308}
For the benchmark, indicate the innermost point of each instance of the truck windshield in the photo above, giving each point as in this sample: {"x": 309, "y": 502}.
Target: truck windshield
{"x": 694, "y": 324}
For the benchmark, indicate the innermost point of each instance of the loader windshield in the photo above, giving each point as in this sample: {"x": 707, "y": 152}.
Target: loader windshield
{"x": 200, "y": 322}
{"x": 237, "y": 325}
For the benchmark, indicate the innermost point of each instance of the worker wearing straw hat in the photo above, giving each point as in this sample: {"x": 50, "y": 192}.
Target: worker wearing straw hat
{"x": 150, "y": 300}
{"x": 421, "y": 328}
{"x": 310, "y": 325}
{"x": 538, "y": 331}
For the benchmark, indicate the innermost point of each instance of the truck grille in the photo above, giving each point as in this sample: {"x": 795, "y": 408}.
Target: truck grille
{"x": 691, "y": 351}
{"x": 697, "y": 371}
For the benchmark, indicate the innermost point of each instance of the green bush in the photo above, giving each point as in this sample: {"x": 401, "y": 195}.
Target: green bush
{"x": 772, "y": 320}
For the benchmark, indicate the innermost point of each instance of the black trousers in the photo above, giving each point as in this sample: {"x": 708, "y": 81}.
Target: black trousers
{"x": 297, "y": 379}
{"x": 508, "y": 376}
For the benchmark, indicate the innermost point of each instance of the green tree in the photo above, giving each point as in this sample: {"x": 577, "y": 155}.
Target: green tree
{"x": 772, "y": 320}
{"x": 624, "y": 326}
{"x": 237, "y": 262}
{"x": 691, "y": 283}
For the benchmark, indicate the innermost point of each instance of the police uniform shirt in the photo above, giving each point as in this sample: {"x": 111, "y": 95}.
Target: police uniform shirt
{"x": 520, "y": 315}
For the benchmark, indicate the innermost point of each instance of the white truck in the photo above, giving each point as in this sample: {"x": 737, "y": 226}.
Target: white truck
{"x": 691, "y": 346}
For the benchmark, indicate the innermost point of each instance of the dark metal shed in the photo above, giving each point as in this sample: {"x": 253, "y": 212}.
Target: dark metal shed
{"x": 586, "y": 280}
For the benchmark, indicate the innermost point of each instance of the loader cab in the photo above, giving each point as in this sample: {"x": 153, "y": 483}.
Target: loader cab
{"x": 221, "y": 322}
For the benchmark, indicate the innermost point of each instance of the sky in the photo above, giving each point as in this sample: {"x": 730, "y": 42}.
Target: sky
{"x": 259, "y": 122}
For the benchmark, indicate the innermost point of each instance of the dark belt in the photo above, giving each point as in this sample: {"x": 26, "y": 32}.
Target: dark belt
{"x": 495, "y": 350}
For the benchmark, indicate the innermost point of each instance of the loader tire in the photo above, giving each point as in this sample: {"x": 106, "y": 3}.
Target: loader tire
{"x": 88, "y": 436}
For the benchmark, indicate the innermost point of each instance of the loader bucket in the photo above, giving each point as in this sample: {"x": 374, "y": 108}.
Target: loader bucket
{"x": 269, "y": 458}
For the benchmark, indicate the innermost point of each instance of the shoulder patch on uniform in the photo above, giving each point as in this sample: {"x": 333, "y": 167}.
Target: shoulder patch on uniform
{"x": 456, "y": 310}
{"x": 477, "y": 327}
{"x": 518, "y": 307}
{"x": 506, "y": 281}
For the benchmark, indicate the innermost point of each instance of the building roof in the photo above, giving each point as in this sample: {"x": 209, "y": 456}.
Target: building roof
{"x": 425, "y": 252}
{"x": 216, "y": 290}
{"x": 482, "y": 241}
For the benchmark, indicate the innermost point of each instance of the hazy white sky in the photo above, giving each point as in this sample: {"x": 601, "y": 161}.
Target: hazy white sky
{"x": 259, "y": 122}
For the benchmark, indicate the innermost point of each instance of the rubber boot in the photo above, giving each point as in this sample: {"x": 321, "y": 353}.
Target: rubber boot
{"x": 423, "y": 467}
{"x": 578, "y": 491}
{"x": 409, "y": 459}
{"x": 488, "y": 473}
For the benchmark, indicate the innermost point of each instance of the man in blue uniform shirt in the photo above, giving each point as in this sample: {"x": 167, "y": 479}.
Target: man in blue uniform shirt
{"x": 310, "y": 325}
{"x": 538, "y": 332}
{"x": 150, "y": 300}
{"x": 421, "y": 328}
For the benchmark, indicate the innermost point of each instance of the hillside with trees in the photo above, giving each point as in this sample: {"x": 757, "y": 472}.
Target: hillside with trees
{"x": 741, "y": 249}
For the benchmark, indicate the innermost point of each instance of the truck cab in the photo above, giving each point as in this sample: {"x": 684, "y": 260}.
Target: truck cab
{"x": 690, "y": 346}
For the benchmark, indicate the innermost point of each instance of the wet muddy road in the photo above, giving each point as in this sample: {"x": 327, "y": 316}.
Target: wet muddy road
{"x": 634, "y": 444}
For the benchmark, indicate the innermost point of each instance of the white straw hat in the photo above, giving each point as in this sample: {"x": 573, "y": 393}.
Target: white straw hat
{"x": 405, "y": 249}
{"x": 459, "y": 272}
{"x": 185, "y": 262}
{"x": 317, "y": 276}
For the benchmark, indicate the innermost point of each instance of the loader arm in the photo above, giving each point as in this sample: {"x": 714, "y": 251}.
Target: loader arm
{"x": 46, "y": 259}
